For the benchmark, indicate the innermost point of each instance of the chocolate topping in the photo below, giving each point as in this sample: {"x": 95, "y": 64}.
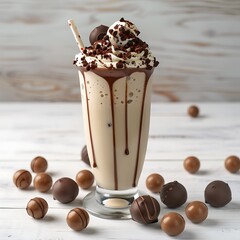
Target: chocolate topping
{"x": 118, "y": 41}
{"x": 98, "y": 33}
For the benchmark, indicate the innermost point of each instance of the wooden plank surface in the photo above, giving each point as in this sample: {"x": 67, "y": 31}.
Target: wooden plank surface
{"x": 56, "y": 132}
{"x": 197, "y": 43}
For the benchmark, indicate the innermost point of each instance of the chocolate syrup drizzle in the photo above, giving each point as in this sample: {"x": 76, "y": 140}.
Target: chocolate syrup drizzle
{"x": 111, "y": 76}
{"x": 89, "y": 123}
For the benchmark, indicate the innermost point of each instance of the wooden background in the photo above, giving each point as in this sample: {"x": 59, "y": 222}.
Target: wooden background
{"x": 197, "y": 43}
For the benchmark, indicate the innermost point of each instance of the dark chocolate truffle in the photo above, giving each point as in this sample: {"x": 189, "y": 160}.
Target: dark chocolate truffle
{"x": 37, "y": 207}
{"x": 85, "y": 179}
{"x": 154, "y": 182}
{"x": 193, "y": 111}
{"x": 196, "y": 211}
{"x": 84, "y": 155}
{"x": 173, "y": 194}
{"x": 232, "y": 164}
{"x": 218, "y": 194}
{"x": 77, "y": 219}
{"x": 65, "y": 190}
{"x": 97, "y": 33}
{"x": 172, "y": 223}
{"x": 22, "y": 179}
{"x": 42, "y": 182}
{"x": 191, "y": 164}
{"x": 145, "y": 209}
{"x": 39, "y": 164}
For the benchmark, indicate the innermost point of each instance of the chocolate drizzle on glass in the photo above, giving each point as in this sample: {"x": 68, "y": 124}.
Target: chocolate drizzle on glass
{"x": 111, "y": 76}
{"x": 126, "y": 117}
{"x": 89, "y": 123}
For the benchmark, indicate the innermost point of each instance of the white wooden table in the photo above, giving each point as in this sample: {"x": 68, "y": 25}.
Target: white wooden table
{"x": 56, "y": 131}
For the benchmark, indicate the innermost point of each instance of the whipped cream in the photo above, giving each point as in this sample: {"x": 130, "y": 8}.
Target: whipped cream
{"x": 119, "y": 48}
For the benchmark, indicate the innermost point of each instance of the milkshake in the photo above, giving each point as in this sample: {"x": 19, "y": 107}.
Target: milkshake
{"x": 115, "y": 82}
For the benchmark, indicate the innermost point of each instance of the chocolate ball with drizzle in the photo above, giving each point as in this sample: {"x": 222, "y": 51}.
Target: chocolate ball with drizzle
{"x": 98, "y": 33}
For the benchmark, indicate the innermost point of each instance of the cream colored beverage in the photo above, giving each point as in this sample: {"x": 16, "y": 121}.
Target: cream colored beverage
{"x": 116, "y": 109}
{"x": 115, "y": 82}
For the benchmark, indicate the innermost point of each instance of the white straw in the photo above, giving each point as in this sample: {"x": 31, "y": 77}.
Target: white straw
{"x": 76, "y": 34}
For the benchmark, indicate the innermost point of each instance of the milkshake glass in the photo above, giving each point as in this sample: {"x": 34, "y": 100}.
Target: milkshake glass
{"x": 115, "y": 83}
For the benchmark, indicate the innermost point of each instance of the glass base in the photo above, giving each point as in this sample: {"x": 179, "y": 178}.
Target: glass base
{"x": 110, "y": 204}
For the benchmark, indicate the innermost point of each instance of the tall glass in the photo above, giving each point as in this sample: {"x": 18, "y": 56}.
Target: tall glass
{"x": 116, "y": 111}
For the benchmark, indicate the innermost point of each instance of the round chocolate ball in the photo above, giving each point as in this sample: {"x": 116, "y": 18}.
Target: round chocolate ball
{"x": 172, "y": 223}
{"x": 42, "y": 182}
{"x": 154, "y": 182}
{"x": 39, "y": 164}
{"x": 196, "y": 211}
{"x": 84, "y": 155}
{"x": 65, "y": 190}
{"x": 145, "y": 209}
{"x": 77, "y": 219}
{"x": 22, "y": 179}
{"x": 173, "y": 194}
{"x": 191, "y": 164}
{"x": 85, "y": 179}
{"x": 193, "y": 111}
{"x": 217, "y": 194}
{"x": 232, "y": 164}
{"x": 98, "y": 33}
{"x": 37, "y": 207}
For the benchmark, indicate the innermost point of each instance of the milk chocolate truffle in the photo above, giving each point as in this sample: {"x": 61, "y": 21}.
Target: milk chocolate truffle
{"x": 218, "y": 194}
{"x": 173, "y": 194}
{"x": 154, "y": 182}
{"x": 37, "y": 208}
{"x": 77, "y": 219}
{"x": 42, "y": 182}
{"x": 39, "y": 164}
{"x": 65, "y": 190}
{"x": 22, "y": 179}
{"x": 191, "y": 164}
{"x": 172, "y": 223}
{"x": 84, "y": 155}
{"x": 196, "y": 211}
{"x": 145, "y": 209}
{"x": 193, "y": 111}
{"x": 85, "y": 179}
{"x": 232, "y": 164}
{"x": 98, "y": 33}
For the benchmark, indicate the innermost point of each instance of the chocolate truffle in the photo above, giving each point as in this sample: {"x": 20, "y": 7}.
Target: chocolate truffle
{"x": 191, "y": 164}
{"x": 145, "y": 209}
{"x": 173, "y": 194}
{"x": 193, "y": 111}
{"x": 42, "y": 182}
{"x": 154, "y": 182}
{"x": 22, "y": 179}
{"x": 84, "y": 155}
{"x": 172, "y": 223}
{"x": 65, "y": 190}
{"x": 232, "y": 164}
{"x": 77, "y": 219}
{"x": 37, "y": 208}
{"x": 218, "y": 194}
{"x": 98, "y": 33}
{"x": 85, "y": 179}
{"x": 39, "y": 164}
{"x": 196, "y": 211}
